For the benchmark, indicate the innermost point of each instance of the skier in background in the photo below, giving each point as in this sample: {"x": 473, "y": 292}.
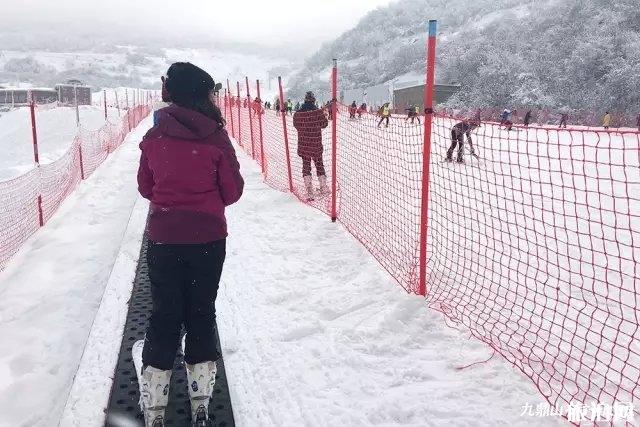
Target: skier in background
{"x": 458, "y": 132}
{"x": 384, "y": 112}
{"x": 638, "y": 122}
{"x": 257, "y": 107}
{"x": 297, "y": 107}
{"x": 277, "y": 106}
{"x": 563, "y": 120}
{"x": 504, "y": 116}
{"x": 353, "y": 108}
{"x": 157, "y": 106}
{"x": 186, "y": 233}
{"x": 478, "y": 116}
{"x": 606, "y": 121}
{"x": 363, "y": 109}
{"x": 327, "y": 107}
{"x": 289, "y": 106}
{"x": 412, "y": 113}
{"x": 309, "y": 122}
{"x": 527, "y": 118}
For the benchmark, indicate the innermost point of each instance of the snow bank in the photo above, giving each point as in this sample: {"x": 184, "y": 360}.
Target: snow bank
{"x": 51, "y": 290}
{"x": 56, "y": 130}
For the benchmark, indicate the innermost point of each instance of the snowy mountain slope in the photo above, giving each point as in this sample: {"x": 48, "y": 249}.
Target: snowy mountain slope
{"x": 553, "y": 53}
{"x": 129, "y": 65}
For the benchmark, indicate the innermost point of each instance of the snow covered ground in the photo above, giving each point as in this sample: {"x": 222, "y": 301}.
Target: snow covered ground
{"x": 56, "y": 130}
{"x": 51, "y": 290}
{"x": 313, "y": 331}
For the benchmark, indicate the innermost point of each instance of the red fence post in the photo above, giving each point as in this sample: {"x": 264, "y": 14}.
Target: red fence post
{"x": 126, "y": 97}
{"x": 286, "y": 135}
{"x": 34, "y": 132}
{"x": 36, "y": 158}
{"x": 426, "y": 154}
{"x": 253, "y": 152}
{"x": 104, "y": 94}
{"x": 239, "y": 116}
{"x": 260, "y": 127}
{"x": 81, "y": 160}
{"x": 233, "y": 132}
{"x": 334, "y": 137}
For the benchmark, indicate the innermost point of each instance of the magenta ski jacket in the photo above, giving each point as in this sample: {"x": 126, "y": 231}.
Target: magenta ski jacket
{"x": 190, "y": 173}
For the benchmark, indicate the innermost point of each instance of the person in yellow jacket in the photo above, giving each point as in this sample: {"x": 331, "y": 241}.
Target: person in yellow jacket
{"x": 606, "y": 122}
{"x": 384, "y": 113}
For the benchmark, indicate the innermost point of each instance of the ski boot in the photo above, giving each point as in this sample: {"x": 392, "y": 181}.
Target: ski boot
{"x": 201, "y": 378}
{"x": 308, "y": 184}
{"x": 323, "y": 184}
{"x": 154, "y": 388}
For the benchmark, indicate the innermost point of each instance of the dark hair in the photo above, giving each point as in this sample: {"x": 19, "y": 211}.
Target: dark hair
{"x": 191, "y": 87}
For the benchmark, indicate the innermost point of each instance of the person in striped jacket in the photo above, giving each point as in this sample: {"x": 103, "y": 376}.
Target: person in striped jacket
{"x": 309, "y": 122}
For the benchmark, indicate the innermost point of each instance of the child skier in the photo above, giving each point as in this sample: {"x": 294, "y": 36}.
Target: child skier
{"x": 353, "y": 108}
{"x": 189, "y": 171}
{"x": 384, "y": 113}
{"x": 606, "y": 122}
{"x": 363, "y": 109}
{"x": 412, "y": 113}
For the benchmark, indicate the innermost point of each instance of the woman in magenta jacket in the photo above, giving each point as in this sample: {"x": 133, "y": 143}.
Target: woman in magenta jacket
{"x": 190, "y": 173}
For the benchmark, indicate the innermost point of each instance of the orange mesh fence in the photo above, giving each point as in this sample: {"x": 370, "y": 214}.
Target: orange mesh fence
{"x": 33, "y": 198}
{"x": 533, "y": 242}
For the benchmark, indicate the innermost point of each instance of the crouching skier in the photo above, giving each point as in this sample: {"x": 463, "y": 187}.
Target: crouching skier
{"x": 309, "y": 122}
{"x": 458, "y": 132}
{"x": 189, "y": 171}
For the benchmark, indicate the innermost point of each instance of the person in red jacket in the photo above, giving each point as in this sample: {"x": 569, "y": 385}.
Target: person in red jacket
{"x": 309, "y": 122}
{"x": 257, "y": 107}
{"x": 189, "y": 171}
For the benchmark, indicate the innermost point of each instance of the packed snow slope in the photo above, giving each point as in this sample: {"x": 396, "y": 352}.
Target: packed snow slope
{"x": 51, "y": 290}
{"x": 56, "y": 127}
{"x": 314, "y": 332}
{"x": 546, "y": 53}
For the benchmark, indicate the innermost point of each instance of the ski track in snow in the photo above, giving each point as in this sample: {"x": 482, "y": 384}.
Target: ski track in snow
{"x": 315, "y": 333}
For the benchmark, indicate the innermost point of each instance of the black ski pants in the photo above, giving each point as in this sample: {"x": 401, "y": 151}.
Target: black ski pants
{"x": 457, "y": 138}
{"x": 184, "y": 286}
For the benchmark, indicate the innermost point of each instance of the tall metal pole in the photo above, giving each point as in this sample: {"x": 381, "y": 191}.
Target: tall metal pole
{"x": 334, "y": 138}
{"x": 286, "y": 135}
{"x": 104, "y": 94}
{"x": 239, "y": 116}
{"x": 75, "y": 100}
{"x": 426, "y": 154}
{"x": 233, "y": 133}
{"x": 36, "y": 158}
{"x": 260, "y": 128}
{"x": 253, "y": 151}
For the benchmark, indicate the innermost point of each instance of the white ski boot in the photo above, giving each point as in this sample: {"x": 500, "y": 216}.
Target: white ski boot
{"x": 323, "y": 185}
{"x": 308, "y": 184}
{"x": 154, "y": 388}
{"x": 201, "y": 378}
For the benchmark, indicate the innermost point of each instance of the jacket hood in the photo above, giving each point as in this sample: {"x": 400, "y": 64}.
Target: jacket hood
{"x": 308, "y": 106}
{"x": 183, "y": 123}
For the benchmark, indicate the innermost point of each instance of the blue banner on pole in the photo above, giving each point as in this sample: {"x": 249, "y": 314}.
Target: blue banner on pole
{"x": 433, "y": 25}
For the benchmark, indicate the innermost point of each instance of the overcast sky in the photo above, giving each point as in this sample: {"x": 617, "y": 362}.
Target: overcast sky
{"x": 260, "y": 21}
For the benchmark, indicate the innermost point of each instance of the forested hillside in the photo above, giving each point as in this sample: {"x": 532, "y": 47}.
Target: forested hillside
{"x": 577, "y": 54}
